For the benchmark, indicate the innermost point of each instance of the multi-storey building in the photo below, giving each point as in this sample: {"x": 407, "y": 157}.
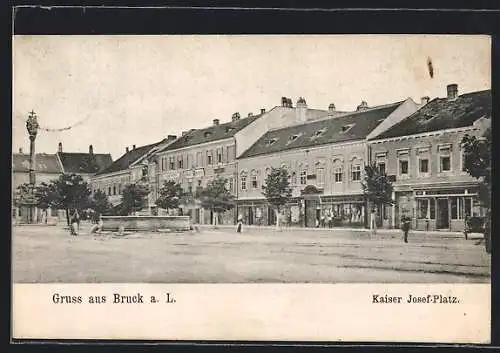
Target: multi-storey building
{"x": 49, "y": 167}
{"x": 199, "y": 154}
{"x": 325, "y": 159}
{"x": 423, "y": 156}
{"x": 131, "y": 167}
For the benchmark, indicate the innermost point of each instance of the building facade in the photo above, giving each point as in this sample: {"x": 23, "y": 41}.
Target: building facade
{"x": 423, "y": 156}
{"x": 50, "y": 167}
{"x": 325, "y": 159}
{"x": 131, "y": 167}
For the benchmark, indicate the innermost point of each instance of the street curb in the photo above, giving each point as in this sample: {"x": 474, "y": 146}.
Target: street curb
{"x": 380, "y": 230}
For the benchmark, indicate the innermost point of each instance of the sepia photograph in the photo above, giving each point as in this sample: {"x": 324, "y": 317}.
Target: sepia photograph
{"x": 251, "y": 159}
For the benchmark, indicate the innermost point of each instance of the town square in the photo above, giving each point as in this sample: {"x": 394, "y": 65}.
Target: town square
{"x": 295, "y": 176}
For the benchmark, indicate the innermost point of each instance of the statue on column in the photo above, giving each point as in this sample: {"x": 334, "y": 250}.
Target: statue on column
{"x": 32, "y": 127}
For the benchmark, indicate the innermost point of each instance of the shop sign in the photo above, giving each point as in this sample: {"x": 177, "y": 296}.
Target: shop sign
{"x": 199, "y": 173}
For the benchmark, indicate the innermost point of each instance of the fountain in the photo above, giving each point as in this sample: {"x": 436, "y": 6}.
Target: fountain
{"x": 144, "y": 220}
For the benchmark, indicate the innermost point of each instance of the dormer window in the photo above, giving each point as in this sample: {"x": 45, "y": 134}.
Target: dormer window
{"x": 272, "y": 141}
{"x": 229, "y": 129}
{"x": 318, "y": 133}
{"x": 207, "y": 134}
{"x": 347, "y": 127}
{"x": 293, "y": 138}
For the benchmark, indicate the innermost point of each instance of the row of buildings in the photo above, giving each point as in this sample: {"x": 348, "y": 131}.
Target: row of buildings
{"x": 49, "y": 167}
{"x": 418, "y": 145}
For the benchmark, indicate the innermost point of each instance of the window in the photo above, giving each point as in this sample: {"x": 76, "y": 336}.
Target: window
{"x": 109, "y": 190}
{"x": 403, "y": 167}
{"x": 381, "y": 167}
{"x": 444, "y": 158}
{"x": 445, "y": 163}
{"x": 356, "y": 172}
{"x": 320, "y": 176}
{"x": 243, "y": 182}
{"x": 231, "y": 184}
{"x": 404, "y": 162}
{"x": 114, "y": 189}
{"x": 318, "y": 133}
{"x": 423, "y": 208}
{"x": 209, "y": 157}
{"x": 293, "y": 138}
{"x": 432, "y": 209}
{"x": 338, "y": 174}
{"x": 190, "y": 188}
{"x": 467, "y": 207}
{"x": 294, "y": 178}
{"x": 207, "y": 134}
{"x": 423, "y": 166}
{"x": 171, "y": 163}
{"x": 180, "y": 162}
{"x": 454, "y": 207}
{"x": 272, "y": 141}
{"x": 219, "y": 155}
{"x": 463, "y": 157}
{"x": 254, "y": 181}
{"x": 303, "y": 177}
{"x": 119, "y": 189}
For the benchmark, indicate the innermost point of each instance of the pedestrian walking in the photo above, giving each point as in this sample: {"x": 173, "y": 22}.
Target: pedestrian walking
{"x": 405, "y": 227}
{"x": 73, "y": 223}
{"x": 240, "y": 224}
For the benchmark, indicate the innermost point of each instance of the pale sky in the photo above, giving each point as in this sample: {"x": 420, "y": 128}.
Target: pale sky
{"x": 138, "y": 89}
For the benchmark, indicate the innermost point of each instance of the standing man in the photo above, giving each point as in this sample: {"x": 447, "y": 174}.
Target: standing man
{"x": 240, "y": 222}
{"x": 405, "y": 226}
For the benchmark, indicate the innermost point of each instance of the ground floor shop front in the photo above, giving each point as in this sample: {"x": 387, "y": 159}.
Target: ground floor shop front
{"x": 437, "y": 208}
{"x": 309, "y": 211}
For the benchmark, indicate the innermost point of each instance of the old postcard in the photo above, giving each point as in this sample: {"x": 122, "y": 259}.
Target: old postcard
{"x": 277, "y": 187}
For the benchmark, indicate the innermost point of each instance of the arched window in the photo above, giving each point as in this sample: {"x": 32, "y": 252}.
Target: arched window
{"x": 338, "y": 170}
{"x": 356, "y": 169}
{"x": 243, "y": 180}
{"x": 320, "y": 174}
{"x": 253, "y": 176}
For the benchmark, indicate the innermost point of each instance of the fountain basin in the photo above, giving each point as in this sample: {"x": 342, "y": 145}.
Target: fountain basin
{"x": 146, "y": 223}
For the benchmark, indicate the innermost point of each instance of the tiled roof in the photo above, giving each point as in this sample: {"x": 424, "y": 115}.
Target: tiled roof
{"x": 79, "y": 162}
{"x": 210, "y": 134}
{"x": 356, "y": 125}
{"x": 45, "y": 163}
{"x": 127, "y": 159}
{"x": 441, "y": 113}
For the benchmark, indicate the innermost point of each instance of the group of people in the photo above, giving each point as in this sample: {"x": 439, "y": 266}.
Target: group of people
{"x": 75, "y": 219}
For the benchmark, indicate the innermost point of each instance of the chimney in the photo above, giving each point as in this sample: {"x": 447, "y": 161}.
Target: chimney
{"x": 262, "y": 110}
{"x": 235, "y": 116}
{"x": 20, "y": 150}
{"x": 362, "y": 106}
{"x": 184, "y": 133}
{"x": 452, "y": 91}
{"x": 126, "y": 150}
{"x": 171, "y": 137}
{"x": 250, "y": 114}
{"x": 301, "y": 110}
{"x": 424, "y": 100}
{"x": 59, "y": 147}
{"x": 133, "y": 147}
{"x": 216, "y": 122}
{"x": 331, "y": 108}
{"x": 91, "y": 149}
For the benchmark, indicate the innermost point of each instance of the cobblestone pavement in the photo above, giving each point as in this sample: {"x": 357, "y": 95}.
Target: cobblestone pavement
{"x": 50, "y": 254}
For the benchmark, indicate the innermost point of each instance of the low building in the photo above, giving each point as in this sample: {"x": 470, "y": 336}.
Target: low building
{"x": 83, "y": 164}
{"x": 423, "y": 155}
{"x": 325, "y": 158}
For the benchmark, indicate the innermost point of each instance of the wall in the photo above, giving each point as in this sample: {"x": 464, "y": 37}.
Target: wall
{"x": 118, "y": 180}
